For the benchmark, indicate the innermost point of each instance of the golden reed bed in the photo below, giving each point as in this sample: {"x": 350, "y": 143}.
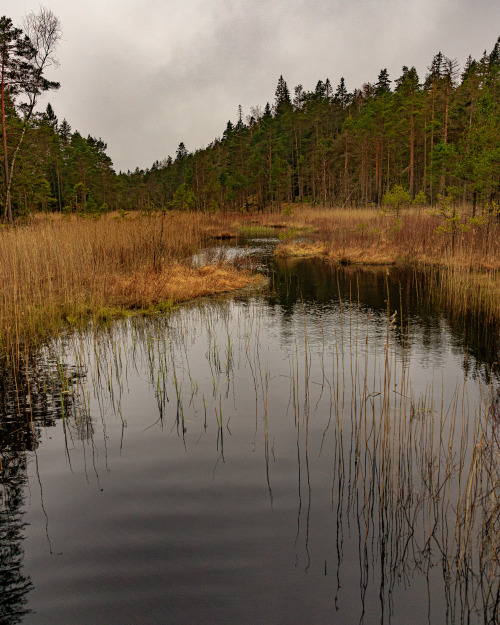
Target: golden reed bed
{"x": 57, "y": 270}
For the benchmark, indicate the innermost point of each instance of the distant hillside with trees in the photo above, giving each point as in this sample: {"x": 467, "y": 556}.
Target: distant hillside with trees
{"x": 431, "y": 136}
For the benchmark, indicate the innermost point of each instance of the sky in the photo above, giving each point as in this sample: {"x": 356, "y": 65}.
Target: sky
{"x": 144, "y": 75}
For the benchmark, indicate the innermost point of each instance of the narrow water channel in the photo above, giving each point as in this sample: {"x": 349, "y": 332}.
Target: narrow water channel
{"x": 322, "y": 451}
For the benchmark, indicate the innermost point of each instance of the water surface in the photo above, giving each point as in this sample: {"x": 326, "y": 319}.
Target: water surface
{"x": 324, "y": 451}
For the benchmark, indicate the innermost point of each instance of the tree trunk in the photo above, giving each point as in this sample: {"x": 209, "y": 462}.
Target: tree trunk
{"x": 8, "y": 205}
{"x": 412, "y": 151}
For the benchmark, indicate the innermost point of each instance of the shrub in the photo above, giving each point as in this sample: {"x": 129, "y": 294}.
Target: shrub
{"x": 396, "y": 197}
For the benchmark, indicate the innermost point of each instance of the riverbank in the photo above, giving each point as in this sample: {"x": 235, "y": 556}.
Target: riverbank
{"x": 465, "y": 250}
{"x": 57, "y": 272}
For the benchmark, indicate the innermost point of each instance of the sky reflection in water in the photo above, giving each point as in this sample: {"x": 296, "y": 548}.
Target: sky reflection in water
{"x": 297, "y": 456}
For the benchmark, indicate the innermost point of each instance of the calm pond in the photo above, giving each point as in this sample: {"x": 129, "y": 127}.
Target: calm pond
{"x": 322, "y": 451}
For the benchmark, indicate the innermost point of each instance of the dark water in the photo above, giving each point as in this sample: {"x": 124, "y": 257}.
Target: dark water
{"x": 321, "y": 452}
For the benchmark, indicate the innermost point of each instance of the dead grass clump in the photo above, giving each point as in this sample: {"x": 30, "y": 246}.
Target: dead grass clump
{"x": 177, "y": 283}
{"x": 301, "y": 249}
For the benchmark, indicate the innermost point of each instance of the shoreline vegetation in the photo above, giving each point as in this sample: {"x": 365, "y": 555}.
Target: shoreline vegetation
{"x": 59, "y": 272}
{"x": 458, "y": 252}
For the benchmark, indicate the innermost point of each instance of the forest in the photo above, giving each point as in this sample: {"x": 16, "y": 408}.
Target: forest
{"x": 430, "y": 137}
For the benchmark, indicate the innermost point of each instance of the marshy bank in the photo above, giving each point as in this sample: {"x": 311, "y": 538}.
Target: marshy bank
{"x": 459, "y": 252}
{"x": 57, "y": 272}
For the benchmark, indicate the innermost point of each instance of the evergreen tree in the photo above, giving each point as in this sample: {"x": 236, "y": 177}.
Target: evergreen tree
{"x": 435, "y": 70}
{"x": 282, "y": 101}
{"x": 320, "y": 91}
{"x": 408, "y": 109}
{"x": 470, "y": 68}
{"x": 50, "y": 117}
{"x": 24, "y": 61}
{"x": 494, "y": 57}
{"x": 239, "y": 124}
{"x": 182, "y": 152}
{"x": 328, "y": 89}
{"x": 383, "y": 84}
{"x": 16, "y": 53}
{"x": 227, "y": 134}
{"x": 298, "y": 100}
{"x": 341, "y": 95}
{"x": 65, "y": 132}
{"x": 494, "y": 68}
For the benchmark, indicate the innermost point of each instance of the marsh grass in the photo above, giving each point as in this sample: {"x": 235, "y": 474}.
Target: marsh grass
{"x": 57, "y": 272}
{"x": 464, "y": 261}
{"x": 371, "y": 236}
{"x": 62, "y": 271}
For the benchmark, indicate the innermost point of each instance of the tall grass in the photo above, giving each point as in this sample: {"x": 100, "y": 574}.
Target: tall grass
{"x": 372, "y": 236}
{"x": 57, "y": 271}
{"x": 466, "y": 255}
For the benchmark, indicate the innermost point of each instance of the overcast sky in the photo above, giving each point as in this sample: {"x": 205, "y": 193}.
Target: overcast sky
{"x": 145, "y": 75}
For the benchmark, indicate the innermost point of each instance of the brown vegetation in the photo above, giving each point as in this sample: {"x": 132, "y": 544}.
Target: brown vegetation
{"x": 465, "y": 250}
{"x": 58, "y": 271}
{"x": 370, "y": 236}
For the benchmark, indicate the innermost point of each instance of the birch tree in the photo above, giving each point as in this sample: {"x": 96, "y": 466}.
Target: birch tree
{"x": 24, "y": 61}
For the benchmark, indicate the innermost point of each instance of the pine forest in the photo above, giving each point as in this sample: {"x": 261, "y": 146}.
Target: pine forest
{"x": 422, "y": 137}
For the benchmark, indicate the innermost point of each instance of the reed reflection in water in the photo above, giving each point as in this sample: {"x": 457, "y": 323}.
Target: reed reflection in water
{"x": 233, "y": 463}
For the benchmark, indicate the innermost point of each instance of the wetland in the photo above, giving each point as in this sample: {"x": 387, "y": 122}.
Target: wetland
{"x": 321, "y": 450}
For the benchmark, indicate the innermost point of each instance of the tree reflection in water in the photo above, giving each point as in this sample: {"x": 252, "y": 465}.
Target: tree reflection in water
{"x": 410, "y": 472}
{"x": 28, "y": 403}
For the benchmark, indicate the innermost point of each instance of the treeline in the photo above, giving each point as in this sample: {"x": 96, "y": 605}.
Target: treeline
{"x": 437, "y": 136}
{"x": 60, "y": 170}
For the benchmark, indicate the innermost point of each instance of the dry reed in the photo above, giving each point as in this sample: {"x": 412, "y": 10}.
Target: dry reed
{"x": 58, "y": 271}
{"x": 466, "y": 254}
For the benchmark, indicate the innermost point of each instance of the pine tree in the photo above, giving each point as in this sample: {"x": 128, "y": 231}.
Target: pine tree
{"x": 17, "y": 53}
{"x": 298, "y": 100}
{"x": 319, "y": 91}
{"x": 494, "y": 57}
{"x": 383, "y": 84}
{"x": 341, "y": 95}
{"x": 435, "y": 70}
{"x": 229, "y": 132}
{"x": 65, "y": 132}
{"x": 24, "y": 60}
{"x": 494, "y": 68}
{"x": 407, "y": 93}
{"x": 282, "y": 97}
{"x": 182, "y": 152}
{"x": 239, "y": 124}
{"x": 50, "y": 117}
{"x": 470, "y": 68}
{"x": 328, "y": 89}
